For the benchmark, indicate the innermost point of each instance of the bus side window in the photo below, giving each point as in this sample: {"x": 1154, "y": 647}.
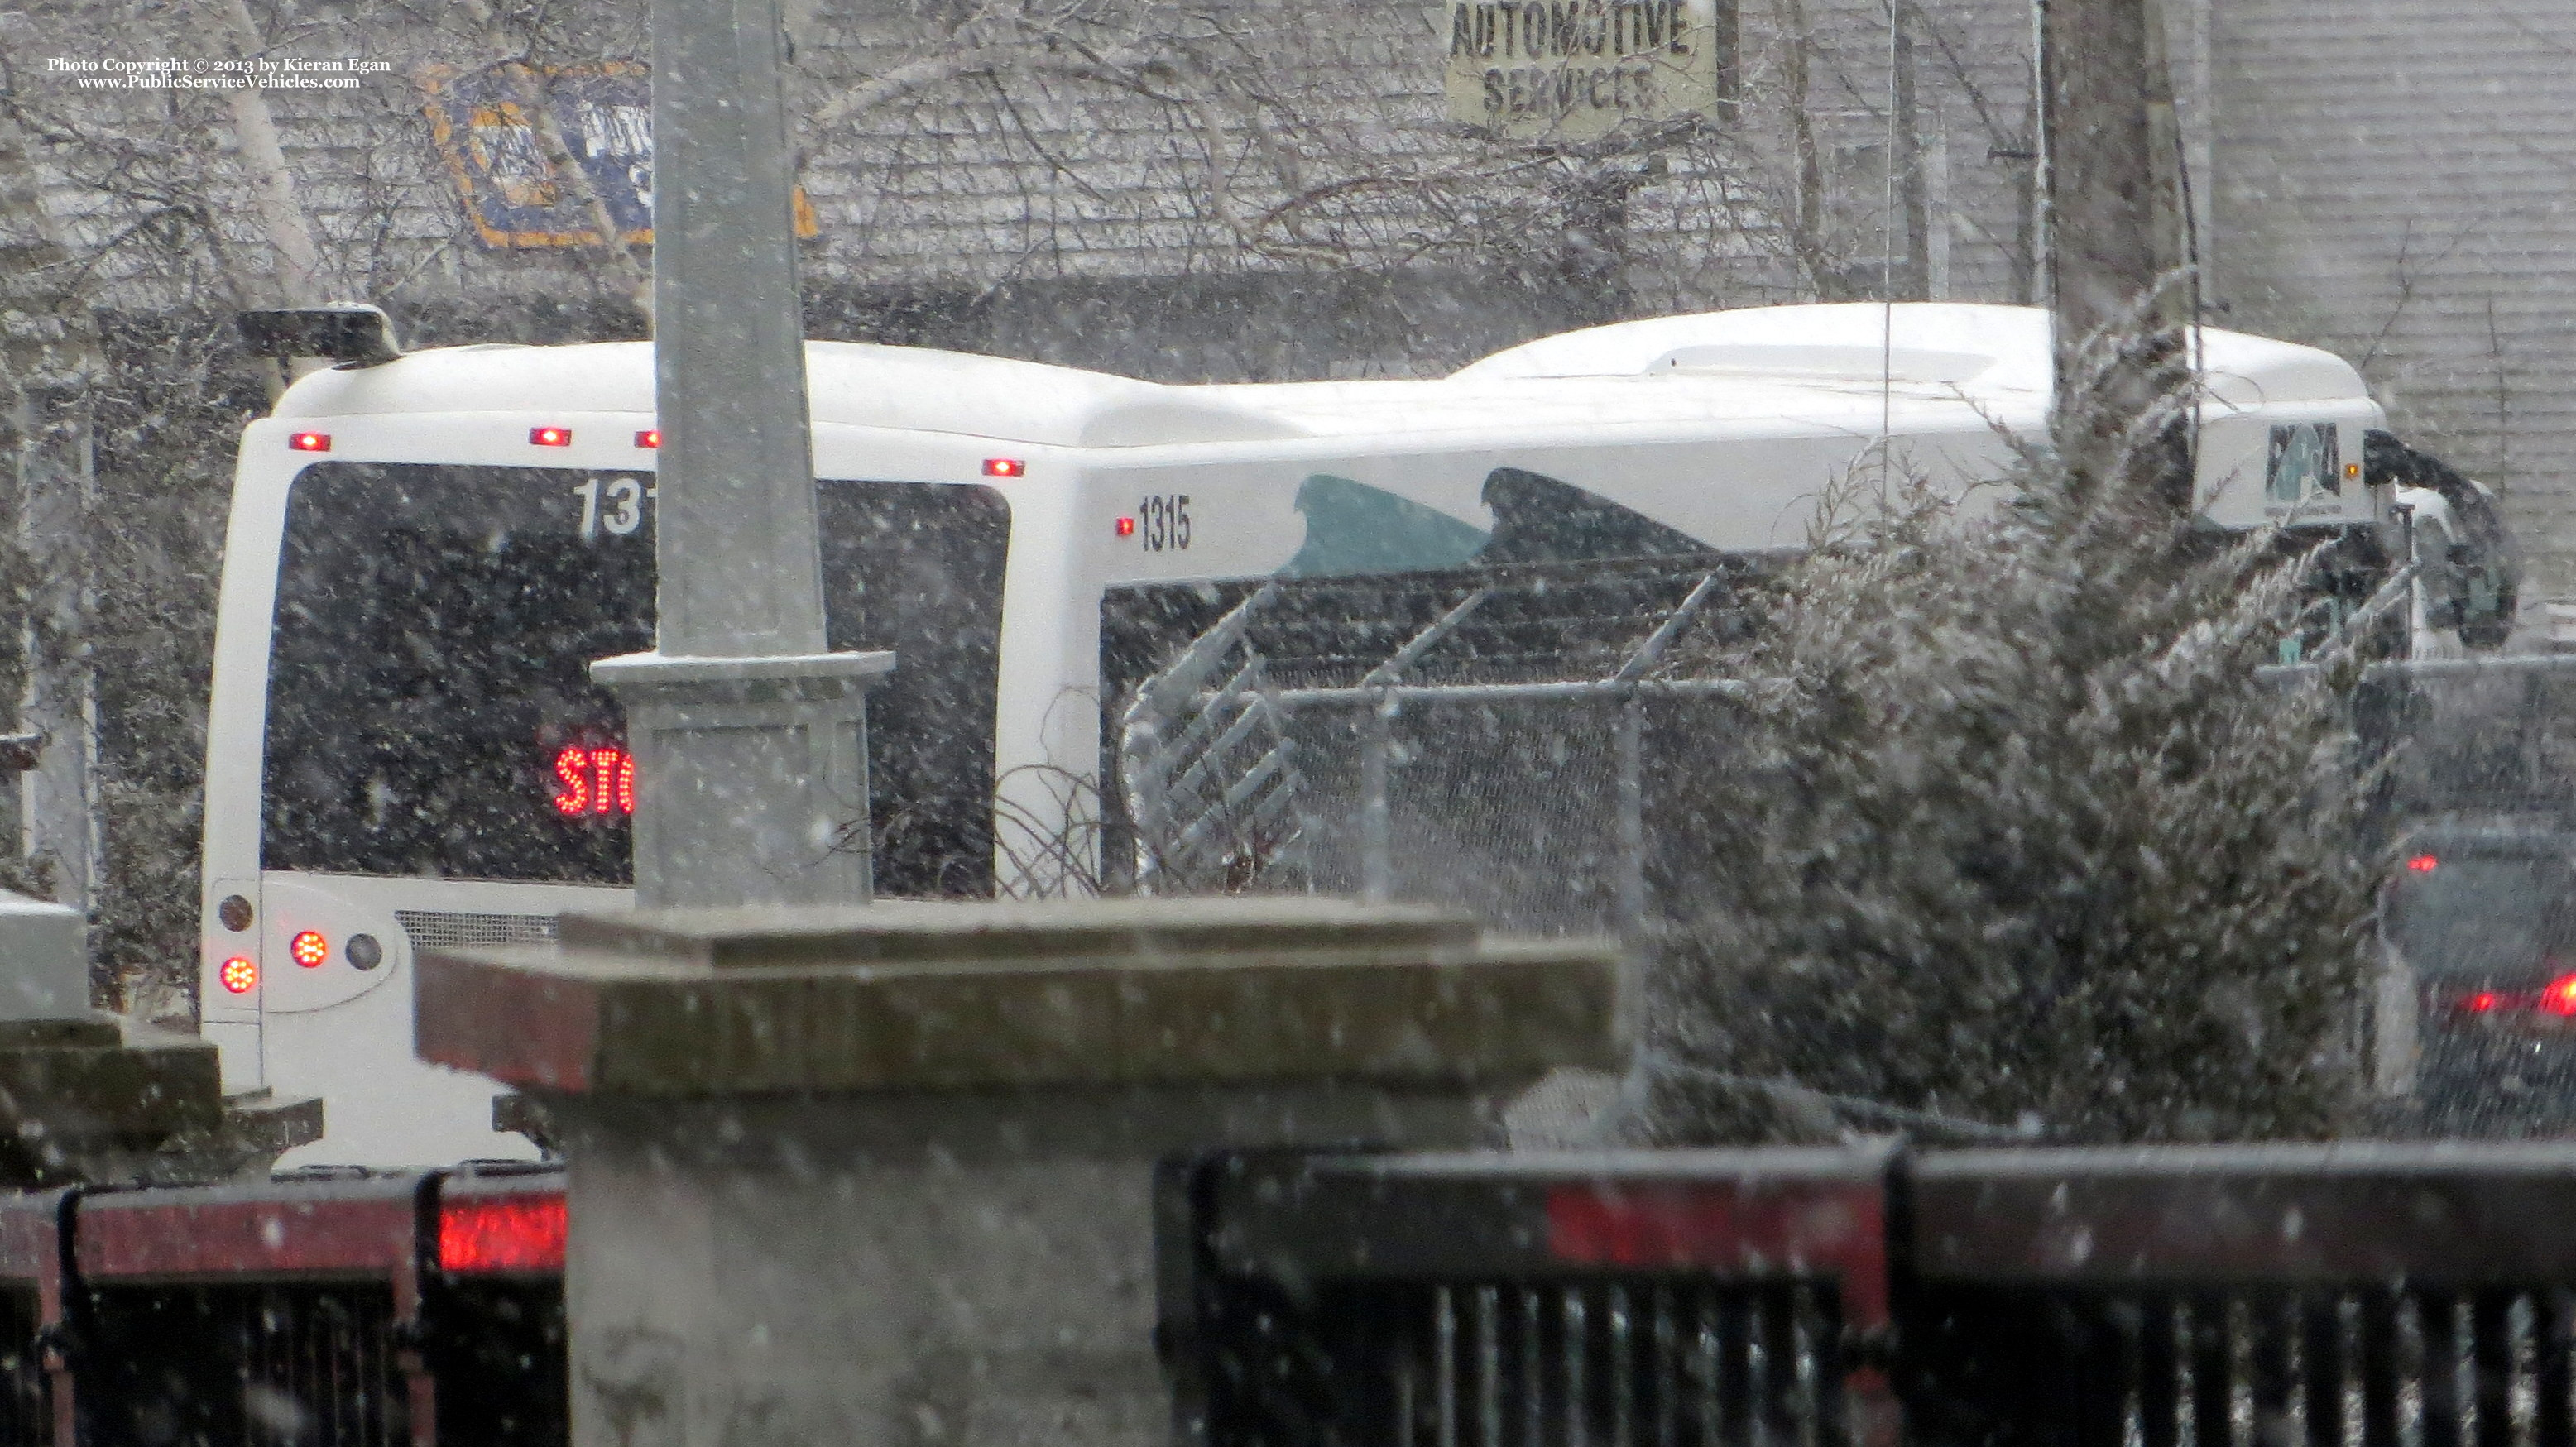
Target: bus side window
{"x": 2305, "y": 457}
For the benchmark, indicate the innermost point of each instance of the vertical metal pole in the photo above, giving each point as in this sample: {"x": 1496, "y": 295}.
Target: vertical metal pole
{"x": 750, "y": 764}
{"x": 2415, "y": 628}
{"x": 1632, "y": 815}
{"x": 1376, "y": 869}
{"x": 737, "y": 466}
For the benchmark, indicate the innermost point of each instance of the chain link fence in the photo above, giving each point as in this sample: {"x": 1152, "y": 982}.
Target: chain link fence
{"x": 1502, "y": 740}
{"x": 1489, "y": 739}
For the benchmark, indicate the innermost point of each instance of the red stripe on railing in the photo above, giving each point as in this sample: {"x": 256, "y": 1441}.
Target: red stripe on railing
{"x": 513, "y": 1233}
{"x": 365, "y": 1237}
{"x": 1758, "y": 1228}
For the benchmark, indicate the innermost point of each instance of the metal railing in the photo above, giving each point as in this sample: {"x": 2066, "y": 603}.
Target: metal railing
{"x": 2343, "y": 1296}
{"x": 2352, "y": 1296}
{"x": 1211, "y": 770}
{"x": 330, "y": 1310}
{"x": 1716, "y": 1299}
{"x": 2371, "y": 1295}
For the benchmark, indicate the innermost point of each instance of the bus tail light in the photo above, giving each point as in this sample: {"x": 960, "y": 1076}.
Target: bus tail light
{"x": 240, "y": 974}
{"x": 309, "y": 948}
{"x": 649, "y": 437}
{"x": 310, "y": 442}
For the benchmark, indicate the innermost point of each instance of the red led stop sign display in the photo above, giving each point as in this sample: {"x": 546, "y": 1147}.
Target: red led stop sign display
{"x": 594, "y": 780}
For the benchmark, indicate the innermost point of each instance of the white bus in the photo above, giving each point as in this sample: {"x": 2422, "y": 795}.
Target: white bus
{"x": 426, "y": 553}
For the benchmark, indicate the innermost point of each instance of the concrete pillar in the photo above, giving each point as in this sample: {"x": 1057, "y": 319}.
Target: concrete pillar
{"x": 754, "y": 775}
{"x": 750, "y": 777}
{"x": 884, "y": 1175}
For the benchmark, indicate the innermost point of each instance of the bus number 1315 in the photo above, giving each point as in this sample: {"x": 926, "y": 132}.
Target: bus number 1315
{"x": 1165, "y": 519}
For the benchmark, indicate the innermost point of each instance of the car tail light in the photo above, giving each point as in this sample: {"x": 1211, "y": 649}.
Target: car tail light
{"x": 2554, "y": 1002}
{"x": 2423, "y": 864}
{"x": 2558, "y": 997}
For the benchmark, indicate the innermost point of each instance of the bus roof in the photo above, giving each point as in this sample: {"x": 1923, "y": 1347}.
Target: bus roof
{"x": 854, "y": 383}
{"x": 1833, "y": 366}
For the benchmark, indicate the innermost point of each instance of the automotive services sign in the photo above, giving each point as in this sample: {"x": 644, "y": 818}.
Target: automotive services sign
{"x": 1576, "y": 70}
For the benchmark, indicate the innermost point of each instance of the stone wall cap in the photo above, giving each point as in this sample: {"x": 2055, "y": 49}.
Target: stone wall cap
{"x": 655, "y": 668}
{"x": 652, "y": 1004}
{"x": 1137, "y": 932}
{"x": 12, "y": 903}
{"x": 88, "y": 1028}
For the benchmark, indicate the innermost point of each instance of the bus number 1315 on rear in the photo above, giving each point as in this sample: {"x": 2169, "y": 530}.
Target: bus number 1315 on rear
{"x": 1164, "y": 522}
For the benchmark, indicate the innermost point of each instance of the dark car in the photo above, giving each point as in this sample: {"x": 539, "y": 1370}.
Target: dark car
{"x": 2481, "y": 928}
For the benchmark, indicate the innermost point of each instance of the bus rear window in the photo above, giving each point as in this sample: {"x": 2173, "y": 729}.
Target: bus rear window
{"x": 429, "y": 706}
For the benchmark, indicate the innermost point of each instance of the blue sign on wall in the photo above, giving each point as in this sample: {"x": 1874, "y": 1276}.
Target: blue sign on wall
{"x": 513, "y": 194}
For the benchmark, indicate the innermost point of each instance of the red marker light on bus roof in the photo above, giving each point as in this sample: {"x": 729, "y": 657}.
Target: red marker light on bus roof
{"x": 649, "y": 437}
{"x": 1126, "y": 527}
{"x": 240, "y": 975}
{"x": 310, "y": 442}
{"x": 2481, "y": 1003}
{"x": 2424, "y": 863}
{"x": 550, "y": 437}
{"x": 1005, "y": 467}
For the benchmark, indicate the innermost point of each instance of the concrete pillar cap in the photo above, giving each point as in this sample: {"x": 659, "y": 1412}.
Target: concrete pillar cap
{"x": 921, "y": 996}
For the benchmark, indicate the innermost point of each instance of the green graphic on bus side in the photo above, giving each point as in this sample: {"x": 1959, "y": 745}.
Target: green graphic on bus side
{"x": 1354, "y": 528}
